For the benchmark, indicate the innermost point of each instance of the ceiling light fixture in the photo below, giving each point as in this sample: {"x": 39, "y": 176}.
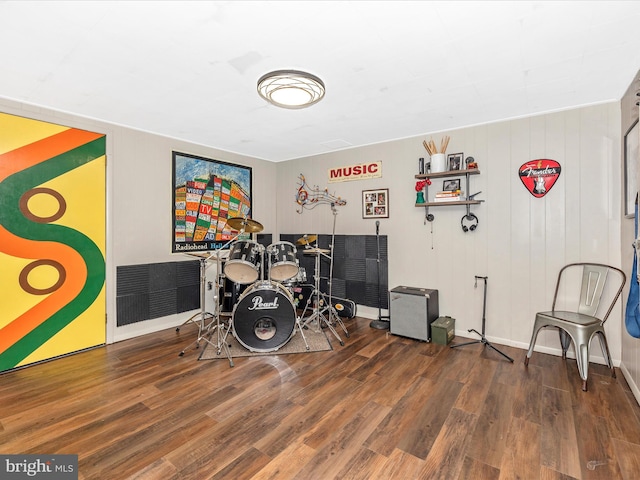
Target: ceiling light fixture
{"x": 291, "y": 88}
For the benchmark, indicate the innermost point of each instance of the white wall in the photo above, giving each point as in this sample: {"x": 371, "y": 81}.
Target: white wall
{"x": 521, "y": 241}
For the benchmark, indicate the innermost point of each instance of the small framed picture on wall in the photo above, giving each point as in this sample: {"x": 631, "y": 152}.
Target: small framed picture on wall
{"x": 375, "y": 203}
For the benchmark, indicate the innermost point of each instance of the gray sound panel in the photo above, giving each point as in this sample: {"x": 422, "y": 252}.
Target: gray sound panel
{"x": 339, "y": 288}
{"x": 339, "y": 246}
{"x": 355, "y": 246}
{"x": 163, "y": 303}
{"x": 162, "y": 276}
{"x": 356, "y": 292}
{"x": 132, "y": 279}
{"x": 156, "y": 290}
{"x": 187, "y": 273}
{"x": 355, "y": 266}
{"x": 355, "y": 269}
{"x": 188, "y": 298}
{"x": 371, "y": 247}
{"x": 372, "y": 294}
{"x": 132, "y": 309}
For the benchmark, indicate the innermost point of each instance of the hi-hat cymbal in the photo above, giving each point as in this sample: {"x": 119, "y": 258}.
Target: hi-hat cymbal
{"x": 307, "y": 239}
{"x": 315, "y": 251}
{"x": 246, "y": 224}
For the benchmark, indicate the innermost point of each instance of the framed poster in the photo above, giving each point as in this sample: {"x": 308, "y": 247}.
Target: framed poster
{"x": 375, "y": 203}
{"x": 631, "y": 158}
{"x": 206, "y": 193}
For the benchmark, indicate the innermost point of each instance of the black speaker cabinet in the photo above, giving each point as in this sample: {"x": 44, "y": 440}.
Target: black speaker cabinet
{"x": 411, "y": 312}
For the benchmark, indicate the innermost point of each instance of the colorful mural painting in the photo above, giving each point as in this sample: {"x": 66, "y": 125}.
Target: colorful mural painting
{"x": 52, "y": 240}
{"x": 207, "y": 193}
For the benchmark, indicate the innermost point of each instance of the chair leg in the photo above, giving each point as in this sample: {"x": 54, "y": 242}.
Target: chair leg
{"x": 565, "y": 342}
{"x": 582, "y": 358}
{"x": 605, "y": 351}
{"x": 534, "y": 335}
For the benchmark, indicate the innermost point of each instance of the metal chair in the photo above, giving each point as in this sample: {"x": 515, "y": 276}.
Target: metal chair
{"x": 582, "y": 323}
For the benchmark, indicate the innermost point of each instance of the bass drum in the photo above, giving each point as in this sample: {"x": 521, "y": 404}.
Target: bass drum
{"x": 264, "y": 318}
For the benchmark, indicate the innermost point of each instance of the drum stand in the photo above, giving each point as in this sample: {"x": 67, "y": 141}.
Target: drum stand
{"x": 332, "y": 318}
{"x": 206, "y": 331}
{"x": 201, "y": 317}
{"x": 333, "y": 314}
{"x": 318, "y": 316}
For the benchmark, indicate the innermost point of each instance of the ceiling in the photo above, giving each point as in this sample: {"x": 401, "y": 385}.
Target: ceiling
{"x": 393, "y": 70}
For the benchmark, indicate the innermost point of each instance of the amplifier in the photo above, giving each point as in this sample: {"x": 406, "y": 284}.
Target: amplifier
{"x": 412, "y": 310}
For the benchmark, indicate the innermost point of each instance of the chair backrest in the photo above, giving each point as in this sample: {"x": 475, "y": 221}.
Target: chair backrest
{"x": 594, "y": 279}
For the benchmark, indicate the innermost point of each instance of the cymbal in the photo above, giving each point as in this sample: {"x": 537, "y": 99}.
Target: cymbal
{"x": 249, "y": 225}
{"x": 315, "y": 251}
{"x": 307, "y": 239}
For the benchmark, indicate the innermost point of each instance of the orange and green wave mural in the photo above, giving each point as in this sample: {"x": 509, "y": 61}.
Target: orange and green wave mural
{"x": 52, "y": 240}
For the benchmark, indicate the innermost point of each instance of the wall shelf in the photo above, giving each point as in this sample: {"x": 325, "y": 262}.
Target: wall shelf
{"x": 451, "y": 173}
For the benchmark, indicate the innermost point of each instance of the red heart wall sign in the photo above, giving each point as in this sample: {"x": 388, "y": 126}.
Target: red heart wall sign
{"x": 538, "y": 176}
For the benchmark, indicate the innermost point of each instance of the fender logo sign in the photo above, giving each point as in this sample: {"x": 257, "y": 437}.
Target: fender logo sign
{"x": 538, "y": 176}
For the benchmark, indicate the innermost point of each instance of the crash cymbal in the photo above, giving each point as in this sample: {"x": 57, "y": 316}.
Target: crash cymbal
{"x": 315, "y": 251}
{"x": 307, "y": 239}
{"x": 249, "y": 225}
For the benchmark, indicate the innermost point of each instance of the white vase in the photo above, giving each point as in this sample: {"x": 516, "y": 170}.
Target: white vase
{"x": 439, "y": 163}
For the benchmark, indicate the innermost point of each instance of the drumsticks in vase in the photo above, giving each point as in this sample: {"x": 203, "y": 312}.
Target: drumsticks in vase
{"x": 431, "y": 146}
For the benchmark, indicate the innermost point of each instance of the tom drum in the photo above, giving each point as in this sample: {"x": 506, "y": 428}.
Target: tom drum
{"x": 283, "y": 263}
{"x": 243, "y": 264}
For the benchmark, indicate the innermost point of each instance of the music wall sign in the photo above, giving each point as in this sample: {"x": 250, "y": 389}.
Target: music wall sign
{"x": 355, "y": 172}
{"x": 538, "y": 176}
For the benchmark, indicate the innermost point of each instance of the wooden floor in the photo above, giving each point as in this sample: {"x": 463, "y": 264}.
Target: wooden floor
{"x": 380, "y": 407}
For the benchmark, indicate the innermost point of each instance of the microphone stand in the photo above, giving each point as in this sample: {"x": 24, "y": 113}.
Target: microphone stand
{"x": 379, "y": 324}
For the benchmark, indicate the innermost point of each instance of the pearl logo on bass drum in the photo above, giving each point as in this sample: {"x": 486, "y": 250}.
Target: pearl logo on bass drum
{"x": 259, "y": 304}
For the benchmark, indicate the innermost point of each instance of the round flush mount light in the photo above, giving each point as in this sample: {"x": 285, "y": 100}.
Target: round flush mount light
{"x": 291, "y": 88}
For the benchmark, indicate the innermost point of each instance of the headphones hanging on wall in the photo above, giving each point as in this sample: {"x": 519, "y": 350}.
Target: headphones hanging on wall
{"x": 472, "y": 222}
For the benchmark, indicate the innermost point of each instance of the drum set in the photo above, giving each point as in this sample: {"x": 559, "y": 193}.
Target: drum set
{"x": 254, "y": 294}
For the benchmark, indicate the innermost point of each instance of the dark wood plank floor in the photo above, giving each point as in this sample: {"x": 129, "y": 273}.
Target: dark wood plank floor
{"x": 381, "y": 407}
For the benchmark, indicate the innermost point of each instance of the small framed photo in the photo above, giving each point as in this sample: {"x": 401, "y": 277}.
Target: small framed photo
{"x": 375, "y": 203}
{"x": 451, "y": 185}
{"x": 456, "y": 161}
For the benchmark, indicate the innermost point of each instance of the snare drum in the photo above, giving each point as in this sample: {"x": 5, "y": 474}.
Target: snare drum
{"x": 243, "y": 264}
{"x": 264, "y": 318}
{"x": 283, "y": 263}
